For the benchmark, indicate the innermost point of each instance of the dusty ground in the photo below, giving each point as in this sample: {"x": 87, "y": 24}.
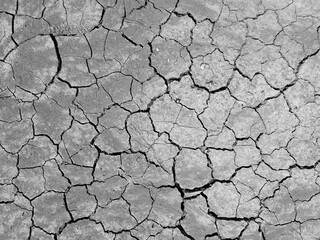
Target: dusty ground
{"x": 159, "y": 119}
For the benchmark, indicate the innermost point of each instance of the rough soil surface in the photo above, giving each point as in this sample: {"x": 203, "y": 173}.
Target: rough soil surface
{"x": 159, "y": 119}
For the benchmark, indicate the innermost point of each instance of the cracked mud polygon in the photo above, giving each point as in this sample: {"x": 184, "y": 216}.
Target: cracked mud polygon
{"x": 159, "y": 119}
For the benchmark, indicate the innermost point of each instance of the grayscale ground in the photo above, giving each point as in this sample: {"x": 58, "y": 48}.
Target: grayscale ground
{"x": 159, "y": 119}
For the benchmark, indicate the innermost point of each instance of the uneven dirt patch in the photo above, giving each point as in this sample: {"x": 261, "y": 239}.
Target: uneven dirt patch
{"x": 159, "y": 119}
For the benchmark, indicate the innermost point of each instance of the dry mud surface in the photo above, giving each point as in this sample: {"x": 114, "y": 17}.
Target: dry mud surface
{"x": 159, "y": 119}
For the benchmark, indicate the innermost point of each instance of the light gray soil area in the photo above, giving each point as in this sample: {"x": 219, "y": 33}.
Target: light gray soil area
{"x": 159, "y": 119}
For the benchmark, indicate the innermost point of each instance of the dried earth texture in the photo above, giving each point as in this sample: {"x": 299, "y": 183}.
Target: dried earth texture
{"x": 159, "y": 119}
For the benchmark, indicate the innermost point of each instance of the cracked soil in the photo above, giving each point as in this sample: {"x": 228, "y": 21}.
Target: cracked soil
{"x": 159, "y": 119}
